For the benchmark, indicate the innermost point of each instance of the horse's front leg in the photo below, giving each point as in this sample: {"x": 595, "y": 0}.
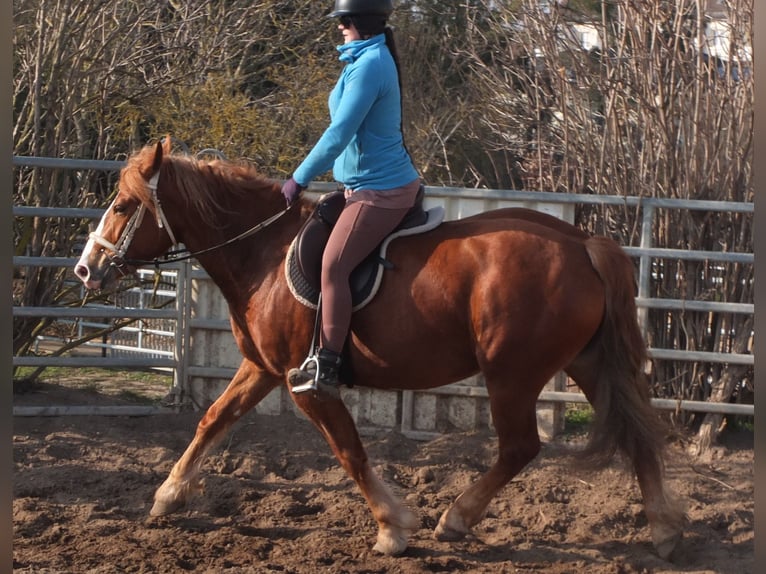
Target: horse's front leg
{"x": 248, "y": 387}
{"x": 331, "y": 417}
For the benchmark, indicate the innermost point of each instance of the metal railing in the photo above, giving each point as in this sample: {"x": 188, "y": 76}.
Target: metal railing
{"x": 181, "y": 312}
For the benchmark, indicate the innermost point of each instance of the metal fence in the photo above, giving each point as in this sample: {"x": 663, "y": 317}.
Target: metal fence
{"x": 140, "y": 347}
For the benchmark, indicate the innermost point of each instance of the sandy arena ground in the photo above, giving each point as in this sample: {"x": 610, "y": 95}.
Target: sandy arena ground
{"x": 277, "y": 501}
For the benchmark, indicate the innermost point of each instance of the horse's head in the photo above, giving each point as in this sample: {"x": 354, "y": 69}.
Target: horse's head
{"x": 124, "y": 235}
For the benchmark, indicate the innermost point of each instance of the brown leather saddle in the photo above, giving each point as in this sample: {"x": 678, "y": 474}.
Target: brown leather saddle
{"x": 303, "y": 267}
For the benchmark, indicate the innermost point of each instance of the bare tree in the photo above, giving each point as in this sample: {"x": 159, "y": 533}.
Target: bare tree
{"x": 652, "y": 110}
{"x": 96, "y": 79}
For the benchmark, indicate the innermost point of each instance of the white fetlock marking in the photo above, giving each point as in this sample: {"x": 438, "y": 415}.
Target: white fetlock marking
{"x": 173, "y": 495}
{"x": 450, "y": 527}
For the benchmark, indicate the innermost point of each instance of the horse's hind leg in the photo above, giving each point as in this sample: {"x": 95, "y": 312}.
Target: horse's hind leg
{"x": 518, "y": 444}
{"x": 331, "y": 417}
{"x": 663, "y": 510}
{"x": 248, "y": 387}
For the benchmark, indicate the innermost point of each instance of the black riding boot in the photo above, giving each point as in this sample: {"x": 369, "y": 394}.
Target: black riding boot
{"x": 329, "y": 367}
{"x": 320, "y": 369}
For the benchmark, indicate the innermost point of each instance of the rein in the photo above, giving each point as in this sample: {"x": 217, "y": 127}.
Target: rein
{"x": 119, "y": 249}
{"x": 175, "y": 256}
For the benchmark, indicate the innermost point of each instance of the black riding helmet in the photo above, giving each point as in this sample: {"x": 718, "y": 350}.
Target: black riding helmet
{"x": 355, "y": 7}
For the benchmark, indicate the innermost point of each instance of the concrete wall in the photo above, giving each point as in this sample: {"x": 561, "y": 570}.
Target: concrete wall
{"x": 213, "y": 357}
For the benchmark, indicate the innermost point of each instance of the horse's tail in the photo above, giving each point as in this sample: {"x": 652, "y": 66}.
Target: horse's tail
{"x": 625, "y": 420}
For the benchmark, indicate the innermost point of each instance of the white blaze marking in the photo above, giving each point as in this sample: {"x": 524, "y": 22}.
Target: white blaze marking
{"x": 91, "y": 243}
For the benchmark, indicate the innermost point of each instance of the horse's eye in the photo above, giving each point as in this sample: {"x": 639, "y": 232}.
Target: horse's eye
{"x": 120, "y": 208}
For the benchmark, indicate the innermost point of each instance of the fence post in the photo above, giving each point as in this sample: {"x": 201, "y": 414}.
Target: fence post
{"x": 645, "y": 264}
{"x": 183, "y": 306}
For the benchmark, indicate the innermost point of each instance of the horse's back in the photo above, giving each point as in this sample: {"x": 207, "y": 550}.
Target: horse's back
{"x": 515, "y": 246}
{"x": 519, "y": 214}
{"x": 509, "y": 289}
{"x": 511, "y": 228}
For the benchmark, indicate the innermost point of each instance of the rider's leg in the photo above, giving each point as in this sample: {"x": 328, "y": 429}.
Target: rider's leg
{"x": 361, "y": 227}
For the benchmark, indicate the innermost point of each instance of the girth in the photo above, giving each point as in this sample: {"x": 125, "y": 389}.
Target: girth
{"x": 303, "y": 267}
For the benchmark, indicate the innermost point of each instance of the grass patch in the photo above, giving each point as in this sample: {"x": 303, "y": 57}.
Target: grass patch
{"x": 577, "y": 418}
{"x": 741, "y": 423}
{"x": 96, "y": 373}
{"x": 136, "y": 386}
{"x": 138, "y": 397}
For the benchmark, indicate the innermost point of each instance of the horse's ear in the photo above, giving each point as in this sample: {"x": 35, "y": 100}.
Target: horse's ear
{"x": 158, "y": 151}
{"x": 167, "y": 144}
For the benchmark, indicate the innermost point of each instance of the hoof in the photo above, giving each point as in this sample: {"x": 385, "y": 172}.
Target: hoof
{"x": 391, "y": 543}
{"x": 446, "y": 534}
{"x": 173, "y": 496}
{"x": 666, "y": 547}
{"x": 448, "y": 529}
{"x": 667, "y": 534}
{"x": 163, "y": 508}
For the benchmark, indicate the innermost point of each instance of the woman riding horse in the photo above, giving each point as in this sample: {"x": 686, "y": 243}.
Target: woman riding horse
{"x": 364, "y": 143}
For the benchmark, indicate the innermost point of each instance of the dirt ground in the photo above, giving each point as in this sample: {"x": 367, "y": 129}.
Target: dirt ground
{"x": 276, "y": 501}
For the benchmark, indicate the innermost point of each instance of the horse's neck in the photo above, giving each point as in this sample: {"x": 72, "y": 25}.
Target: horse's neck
{"x": 239, "y": 269}
{"x": 222, "y": 273}
{"x": 242, "y": 266}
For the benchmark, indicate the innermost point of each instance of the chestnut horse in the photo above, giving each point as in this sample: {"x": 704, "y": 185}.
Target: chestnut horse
{"x": 514, "y": 294}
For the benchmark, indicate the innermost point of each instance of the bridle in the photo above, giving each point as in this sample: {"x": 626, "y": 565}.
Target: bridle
{"x": 118, "y": 249}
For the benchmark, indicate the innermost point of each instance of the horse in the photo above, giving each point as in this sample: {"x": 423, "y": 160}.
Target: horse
{"x": 513, "y": 294}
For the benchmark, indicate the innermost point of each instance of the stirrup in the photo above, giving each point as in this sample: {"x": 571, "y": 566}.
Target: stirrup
{"x": 312, "y": 383}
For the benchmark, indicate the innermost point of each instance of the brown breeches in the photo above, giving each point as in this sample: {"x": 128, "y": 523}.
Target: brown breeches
{"x": 360, "y": 228}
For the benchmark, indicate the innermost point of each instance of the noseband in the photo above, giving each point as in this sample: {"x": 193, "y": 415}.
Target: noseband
{"x": 121, "y": 247}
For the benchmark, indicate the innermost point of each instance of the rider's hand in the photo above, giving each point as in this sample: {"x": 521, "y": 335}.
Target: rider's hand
{"x": 291, "y": 189}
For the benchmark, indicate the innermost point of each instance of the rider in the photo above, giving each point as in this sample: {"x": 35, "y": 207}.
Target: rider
{"x": 365, "y": 147}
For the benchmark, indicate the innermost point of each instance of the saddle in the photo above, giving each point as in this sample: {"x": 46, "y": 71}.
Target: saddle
{"x": 303, "y": 266}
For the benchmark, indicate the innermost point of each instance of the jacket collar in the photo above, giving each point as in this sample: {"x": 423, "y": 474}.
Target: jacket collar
{"x": 351, "y": 51}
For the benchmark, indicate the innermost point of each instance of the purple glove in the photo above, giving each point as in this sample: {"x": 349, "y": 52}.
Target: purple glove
{"x": 291, "y": 189}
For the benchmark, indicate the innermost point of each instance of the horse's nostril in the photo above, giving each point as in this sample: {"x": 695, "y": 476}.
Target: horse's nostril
{"x": 82, "y": 272}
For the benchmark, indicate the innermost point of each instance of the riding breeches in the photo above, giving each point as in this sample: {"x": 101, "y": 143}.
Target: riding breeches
{"x": 360, "y": 229}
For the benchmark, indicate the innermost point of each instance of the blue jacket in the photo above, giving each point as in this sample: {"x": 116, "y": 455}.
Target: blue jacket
{"x": 363, "y": 143}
